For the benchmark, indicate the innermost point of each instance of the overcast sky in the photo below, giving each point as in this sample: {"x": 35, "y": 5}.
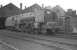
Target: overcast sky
{"x": 65, "y": 4}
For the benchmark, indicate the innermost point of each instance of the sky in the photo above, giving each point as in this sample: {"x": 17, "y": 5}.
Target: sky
{"x": 65, "y": 4}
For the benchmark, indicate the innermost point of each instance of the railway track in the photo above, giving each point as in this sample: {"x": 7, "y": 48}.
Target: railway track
{"x": 38, "y": 37}
{"x": 43, "y": 42}
{"x": 33, "y": 41}
{"x": 7, "y": 46}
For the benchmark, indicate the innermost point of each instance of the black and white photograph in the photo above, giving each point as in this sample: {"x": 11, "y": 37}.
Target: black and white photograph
{"x": 38, "y": 25}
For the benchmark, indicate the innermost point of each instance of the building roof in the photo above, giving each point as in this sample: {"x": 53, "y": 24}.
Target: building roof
{"x": 10, "y": 10}
{"x": 10, "y": 4}
{"x": 31, "y": 8}
{"x": 35, "y": 5}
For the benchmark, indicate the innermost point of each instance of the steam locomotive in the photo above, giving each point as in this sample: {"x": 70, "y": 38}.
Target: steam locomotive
{"x": 34, "y": 22}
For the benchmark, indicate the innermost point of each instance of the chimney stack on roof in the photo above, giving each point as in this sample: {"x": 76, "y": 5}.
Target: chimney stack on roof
{"x": 21, "y": 6}
{"x": 42, "y": 5}
{"x": 25, "y": 7}
{"x": 1, "y": 6}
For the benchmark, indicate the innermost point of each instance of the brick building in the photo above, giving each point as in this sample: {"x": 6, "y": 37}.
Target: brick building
{"x": 71, "y": 12}
{"x": 9, "y": 10}
{"x": 73, "y": 19}
{"x": 32, "y": 8}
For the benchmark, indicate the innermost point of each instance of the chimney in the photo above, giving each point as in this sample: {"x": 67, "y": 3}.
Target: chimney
{"x": 20, "y": 5}
{"x": 42, "y": 5}
{"x": 1, "y": 6}
{"x": 25, "y": 7}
